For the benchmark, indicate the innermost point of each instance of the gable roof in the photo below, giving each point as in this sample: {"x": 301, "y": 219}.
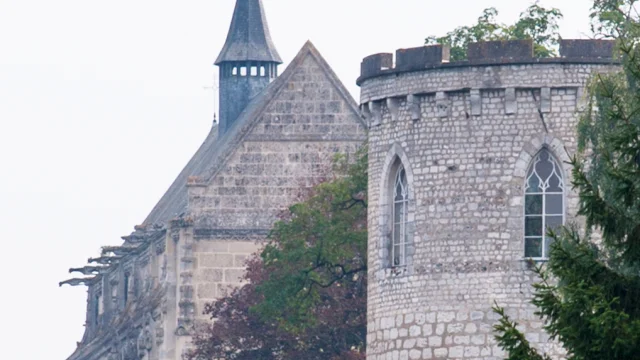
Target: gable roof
{"x": 214, "y": 152}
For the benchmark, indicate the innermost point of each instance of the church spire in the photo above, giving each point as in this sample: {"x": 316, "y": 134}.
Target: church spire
{"x": 248, "y": 61}
{"x": 249, "y": 38}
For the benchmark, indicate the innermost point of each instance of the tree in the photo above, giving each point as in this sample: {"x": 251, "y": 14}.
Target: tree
{"x": 536, "y": 23}
{"x": 614, "y": 19}
{"x": 589, "y": 290}
{"x": 306, "y": 291}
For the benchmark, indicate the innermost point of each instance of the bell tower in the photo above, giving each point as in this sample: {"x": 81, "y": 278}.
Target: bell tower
{"x": 248, "y": 61}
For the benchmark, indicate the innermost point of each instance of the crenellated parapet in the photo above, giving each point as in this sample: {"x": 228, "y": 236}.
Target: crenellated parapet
{"x": 483, "y": 53}
{"x": 421, "y": 80}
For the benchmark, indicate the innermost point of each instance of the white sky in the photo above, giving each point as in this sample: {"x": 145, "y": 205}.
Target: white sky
{"x": 102, "y": 103}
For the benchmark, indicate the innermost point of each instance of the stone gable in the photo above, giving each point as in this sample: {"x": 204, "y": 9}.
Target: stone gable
{"x": 193, "y": 247}
{"x": 287, "y": 147}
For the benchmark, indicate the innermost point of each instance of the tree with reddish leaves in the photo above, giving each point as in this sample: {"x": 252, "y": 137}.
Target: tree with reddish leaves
{"x": 305, "y": 296}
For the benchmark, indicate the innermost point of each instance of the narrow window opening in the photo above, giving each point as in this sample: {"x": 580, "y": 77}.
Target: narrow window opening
{"x": 243, "y": 71}
{"x": 97, "y": 308}
{"x": 399, "y": 216}
{"x": 100, "y": 304}
{"x": 114, "y": 297}
{"x": 544, "y": 206}
{"x": 254, "y": 71}
{"x": 263, "y": 71}
{"x": 126, "y": 289}
{"x": 234, "y": 72}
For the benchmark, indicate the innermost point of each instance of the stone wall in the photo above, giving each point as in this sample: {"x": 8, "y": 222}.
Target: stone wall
{"x": 289, "y": 148}
{"x": 221, "y": 268}
{"x": 466, "y": 135}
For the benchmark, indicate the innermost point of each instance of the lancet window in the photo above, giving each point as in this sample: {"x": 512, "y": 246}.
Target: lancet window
{"x": 400, "y": 203}
{"x": 544, "y": 204}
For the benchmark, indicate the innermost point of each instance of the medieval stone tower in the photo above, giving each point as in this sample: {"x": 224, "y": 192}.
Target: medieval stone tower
{"x": 466, "y": 171}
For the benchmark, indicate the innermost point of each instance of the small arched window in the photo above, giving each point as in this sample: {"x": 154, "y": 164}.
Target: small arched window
{"x": 544, "y": 204}
{"x": 399, "y": 233}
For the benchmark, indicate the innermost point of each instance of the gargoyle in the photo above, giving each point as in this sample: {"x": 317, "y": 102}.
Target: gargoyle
{"x": 118, "y": 250}
{"x": 89, "y": 270}
{"x": 76, "y": 282}
{"x": 134, "y": 238}
{"x": 105, "y": 260}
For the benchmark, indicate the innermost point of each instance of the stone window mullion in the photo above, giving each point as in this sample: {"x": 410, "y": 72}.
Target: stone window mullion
{"x": 544, "y": 204}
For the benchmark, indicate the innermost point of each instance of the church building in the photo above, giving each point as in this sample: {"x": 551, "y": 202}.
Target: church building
{"x": 277, "y": 134}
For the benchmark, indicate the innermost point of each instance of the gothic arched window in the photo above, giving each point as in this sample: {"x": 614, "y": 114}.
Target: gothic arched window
{"x": 544, "y": 204}
{"x": 399, "y": 234}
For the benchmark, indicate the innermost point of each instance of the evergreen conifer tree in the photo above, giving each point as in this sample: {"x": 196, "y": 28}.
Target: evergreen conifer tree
{"x": 589, "y": 293}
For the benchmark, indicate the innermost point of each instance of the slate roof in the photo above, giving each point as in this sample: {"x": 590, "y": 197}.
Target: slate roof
{"x": 248, "y": 38}
{"x": 214, "y": 152}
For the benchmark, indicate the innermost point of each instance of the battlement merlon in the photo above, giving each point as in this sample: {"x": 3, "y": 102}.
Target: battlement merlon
{"x": 489, "y": 53}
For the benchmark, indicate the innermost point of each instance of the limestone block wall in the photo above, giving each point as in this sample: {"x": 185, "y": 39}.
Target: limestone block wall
{"x": 285, "y": 150}
{"x": 220, "y": 268}
{"x": 260, "y": 180}
{"x": 289, "y": 147}
{"x": 466, "y": 134}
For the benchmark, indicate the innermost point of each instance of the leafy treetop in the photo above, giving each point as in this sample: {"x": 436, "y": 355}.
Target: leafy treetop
{"x": 536, "y": 23}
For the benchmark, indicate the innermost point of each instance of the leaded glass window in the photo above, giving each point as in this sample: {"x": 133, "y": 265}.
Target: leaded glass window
{"x": 399, "y": 237}
{"x": 544, "y": 204}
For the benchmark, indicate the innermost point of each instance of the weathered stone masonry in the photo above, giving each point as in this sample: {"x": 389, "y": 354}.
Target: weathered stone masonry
{"x": 277, "y": 137}
{"x": 466, "y": 134}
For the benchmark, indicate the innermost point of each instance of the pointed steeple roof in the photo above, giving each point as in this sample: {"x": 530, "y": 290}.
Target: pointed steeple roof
{"x": 249, "y": 38}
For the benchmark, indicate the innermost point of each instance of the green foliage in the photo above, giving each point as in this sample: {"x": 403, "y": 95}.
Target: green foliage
{"x": 486, "y": 29}
{"x": 306, "y": 294}
{"x": 589, "y": 289}
{"x": 320, "y": 244}
{"x": 536, "y": 23}
{"x": 610, "y": 18}
{"x": 589, "y": 301}
{"x": 540, "y": 25}
{"x": 512, "y": 340}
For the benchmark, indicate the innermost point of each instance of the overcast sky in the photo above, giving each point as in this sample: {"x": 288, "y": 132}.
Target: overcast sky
{"x": 103, "y": 102}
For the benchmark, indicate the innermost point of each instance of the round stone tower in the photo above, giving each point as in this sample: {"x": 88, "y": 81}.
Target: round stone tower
{"x": 466, "y": 171}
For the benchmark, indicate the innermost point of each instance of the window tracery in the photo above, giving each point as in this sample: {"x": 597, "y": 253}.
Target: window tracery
{"x": 544, "y": 204}
{"x": 399, "y": 236}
